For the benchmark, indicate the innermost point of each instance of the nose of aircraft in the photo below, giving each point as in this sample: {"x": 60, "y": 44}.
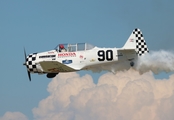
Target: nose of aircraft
{"x": 30, "y": 64}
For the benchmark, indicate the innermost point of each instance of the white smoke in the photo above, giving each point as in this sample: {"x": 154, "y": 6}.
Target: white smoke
{"x": 156, "y": 61}
{"x": 124, "y": 96}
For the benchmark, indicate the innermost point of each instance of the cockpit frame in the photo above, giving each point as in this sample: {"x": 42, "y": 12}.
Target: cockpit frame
{"x": 75, "y": 47}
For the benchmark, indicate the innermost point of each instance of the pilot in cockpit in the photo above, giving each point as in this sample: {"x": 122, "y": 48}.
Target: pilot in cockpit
{"x": 62, "y": 48}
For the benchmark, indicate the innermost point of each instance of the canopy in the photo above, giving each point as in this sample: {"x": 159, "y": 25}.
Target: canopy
{"x": 76, "y": 47}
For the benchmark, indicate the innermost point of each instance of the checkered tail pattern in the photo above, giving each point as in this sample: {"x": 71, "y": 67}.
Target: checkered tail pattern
{"x": 141, "y": 46}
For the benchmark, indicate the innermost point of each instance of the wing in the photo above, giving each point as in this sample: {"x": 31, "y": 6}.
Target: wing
{"x": 55, "y": 67}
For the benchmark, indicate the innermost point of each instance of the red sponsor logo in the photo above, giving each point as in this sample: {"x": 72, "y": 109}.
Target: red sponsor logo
{"x": 131, "y": 40}
{"x": 71, "y": 54}
{"x": 81, "y": 56}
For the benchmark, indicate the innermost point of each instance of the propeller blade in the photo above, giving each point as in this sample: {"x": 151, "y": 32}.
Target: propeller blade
{"x": 25, "y": 55}
{"x": 29, "y": 75}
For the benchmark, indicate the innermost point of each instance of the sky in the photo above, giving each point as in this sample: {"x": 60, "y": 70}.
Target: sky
{"x": 40, "y": 25}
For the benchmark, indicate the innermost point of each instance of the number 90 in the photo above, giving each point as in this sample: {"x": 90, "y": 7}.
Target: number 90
{"x": 108, "y": 56}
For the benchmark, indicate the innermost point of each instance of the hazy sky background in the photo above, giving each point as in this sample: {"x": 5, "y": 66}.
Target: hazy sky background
{"x": 41, "y": 25}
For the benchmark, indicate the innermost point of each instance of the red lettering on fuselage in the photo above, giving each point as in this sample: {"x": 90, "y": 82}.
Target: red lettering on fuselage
{"x": 67, "y": 54}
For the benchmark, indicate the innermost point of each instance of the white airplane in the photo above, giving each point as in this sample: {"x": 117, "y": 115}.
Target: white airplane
{"x": 84, "y": 56}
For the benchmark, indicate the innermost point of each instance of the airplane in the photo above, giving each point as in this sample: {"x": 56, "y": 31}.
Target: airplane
{"x": 84, "y": 56}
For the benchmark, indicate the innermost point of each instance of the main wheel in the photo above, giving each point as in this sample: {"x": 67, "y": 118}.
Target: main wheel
{"x": 51, "y": 75}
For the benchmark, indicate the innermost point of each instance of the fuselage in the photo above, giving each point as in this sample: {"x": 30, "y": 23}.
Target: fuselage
{"x": 77, "y": 60}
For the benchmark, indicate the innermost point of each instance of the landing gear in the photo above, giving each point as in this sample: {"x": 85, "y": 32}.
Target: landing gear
{"x": 131, "y": 64}
{"x": 51, "y": 75}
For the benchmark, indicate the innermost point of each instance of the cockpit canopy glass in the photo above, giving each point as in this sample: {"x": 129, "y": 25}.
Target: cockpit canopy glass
{"x": 74, "y": 47}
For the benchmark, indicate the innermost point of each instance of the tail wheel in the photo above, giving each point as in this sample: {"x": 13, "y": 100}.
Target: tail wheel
{"x": 131, "y": 64}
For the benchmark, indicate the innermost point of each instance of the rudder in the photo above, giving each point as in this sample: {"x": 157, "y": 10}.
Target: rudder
{"x": 141, "y": 46}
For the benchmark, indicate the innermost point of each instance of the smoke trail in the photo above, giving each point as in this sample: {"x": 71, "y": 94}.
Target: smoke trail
{"x": 156, "y": 61}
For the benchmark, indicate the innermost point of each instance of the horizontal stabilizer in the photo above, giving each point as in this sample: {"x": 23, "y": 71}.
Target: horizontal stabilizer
{"x": 126, "y": 51}
{"x": 129, "y": 54}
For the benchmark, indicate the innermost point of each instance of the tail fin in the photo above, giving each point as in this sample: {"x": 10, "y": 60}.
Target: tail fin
{"x": 136, "y": 41}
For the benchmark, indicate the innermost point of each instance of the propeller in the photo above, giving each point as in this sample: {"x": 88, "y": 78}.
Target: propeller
{"x": 29, "y": 76}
